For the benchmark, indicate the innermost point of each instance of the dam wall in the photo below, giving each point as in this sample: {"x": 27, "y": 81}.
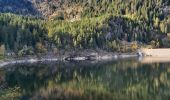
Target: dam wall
{"x": 164, "y": 52}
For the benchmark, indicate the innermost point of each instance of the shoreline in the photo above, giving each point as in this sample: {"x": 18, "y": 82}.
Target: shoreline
{"x": 68, "y": 58}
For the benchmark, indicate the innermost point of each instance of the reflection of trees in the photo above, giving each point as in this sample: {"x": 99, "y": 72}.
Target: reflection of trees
{"x": 2, "y": 77}
{"x": 116, "y": 79}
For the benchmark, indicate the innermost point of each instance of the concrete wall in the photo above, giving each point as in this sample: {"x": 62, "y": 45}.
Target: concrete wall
{"x": 156, "y": 52}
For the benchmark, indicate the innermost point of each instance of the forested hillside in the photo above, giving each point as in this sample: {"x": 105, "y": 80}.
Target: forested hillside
{"x": 39, "y": 25}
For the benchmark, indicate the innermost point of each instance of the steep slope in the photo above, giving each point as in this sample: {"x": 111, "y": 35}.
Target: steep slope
{"x": 72, "y": 9}
{"x": 40, "y": 8}
{"x": 23, "y": 7}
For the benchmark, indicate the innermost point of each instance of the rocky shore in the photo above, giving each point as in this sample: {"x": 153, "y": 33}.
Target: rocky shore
{"x": 68, "y": 56}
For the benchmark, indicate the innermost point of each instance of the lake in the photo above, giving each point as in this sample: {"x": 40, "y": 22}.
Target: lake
{"x": 121, "y": 79}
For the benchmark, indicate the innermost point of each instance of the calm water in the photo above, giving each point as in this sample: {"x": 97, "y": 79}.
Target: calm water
{"x": 126, "y": 79}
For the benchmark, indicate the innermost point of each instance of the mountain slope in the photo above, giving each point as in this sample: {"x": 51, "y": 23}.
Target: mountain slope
{"x": 23, "y": 7}
{"x": 40, "y": 8}
{"x": 76, "y": 9}
{"x": 82, "y": 24}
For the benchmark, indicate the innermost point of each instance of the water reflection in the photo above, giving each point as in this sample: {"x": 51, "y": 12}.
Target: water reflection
{"x": 122, "y": 79}
{"x": 154, "y": 59}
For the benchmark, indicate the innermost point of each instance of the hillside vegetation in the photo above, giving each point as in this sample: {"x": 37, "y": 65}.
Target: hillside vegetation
{"x": 82, "y": 24}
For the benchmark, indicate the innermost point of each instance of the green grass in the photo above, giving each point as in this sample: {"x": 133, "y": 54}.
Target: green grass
{"x": 2, "y": 57}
